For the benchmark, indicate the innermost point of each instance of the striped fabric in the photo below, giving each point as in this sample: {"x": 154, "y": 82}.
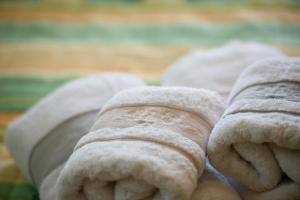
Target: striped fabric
{"x": 42, "y": 47}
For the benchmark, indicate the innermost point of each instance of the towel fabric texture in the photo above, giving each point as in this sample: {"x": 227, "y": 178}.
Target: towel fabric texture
{"x": 214, "y": 186}
{"x": 257, "y": 140}
{"x": 43, "y": 138}
{"x": 216, "y": 69}
{"x": 146, "y": 144}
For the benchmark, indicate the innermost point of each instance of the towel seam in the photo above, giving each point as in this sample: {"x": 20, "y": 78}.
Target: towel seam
{"x": 149, "y": 140}
{"x": 257, "y": 84}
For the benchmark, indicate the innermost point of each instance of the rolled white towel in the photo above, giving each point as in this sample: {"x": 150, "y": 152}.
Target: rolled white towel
{"x": 217, "y": 69}
{"x": 214, "y": 186}
{"x": 147, "y": 143}
{"x": 257, "y": 139}
{"x": 285, "y": 190}
{"x": 43, "y": 138}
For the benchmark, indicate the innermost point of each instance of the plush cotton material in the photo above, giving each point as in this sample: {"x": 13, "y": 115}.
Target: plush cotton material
{"x": 43, "y": 138}
{"x": 214, "y": 186}
{"x": 257, "y": 140}
{"x": 146, "y": 144}
{"x": 286, "y": 190}
{"x": 217, "y": 69}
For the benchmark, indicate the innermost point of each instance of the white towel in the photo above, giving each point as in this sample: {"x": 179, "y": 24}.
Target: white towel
{"x": 257, "y": 140}
{"x": 286, "y": 190}
{"x": 43, "y": 138}
{"x": 214, "y": 186}
{"x": 217, "y": 69}
{"x": 147, "y": 143}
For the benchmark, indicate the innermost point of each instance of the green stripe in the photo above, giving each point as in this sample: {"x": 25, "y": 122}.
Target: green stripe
{"x": 152, "y": 34}
{"x": 16, "y": 106}
{"x": 11, "y": 191}
{"x": 29, "y": 86}
{"x": 18, "y": 93}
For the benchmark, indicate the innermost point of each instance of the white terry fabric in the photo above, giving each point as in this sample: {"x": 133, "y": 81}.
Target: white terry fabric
{"x": 209, "y": 103}
{"x": 257, "y": 140}
{"x": 286, "y": 190}
{"x": 68, "y": 111}
{"x": 214, "y": 186}
{"x": 217, "y": 69}
{"x": 147, "y": 143}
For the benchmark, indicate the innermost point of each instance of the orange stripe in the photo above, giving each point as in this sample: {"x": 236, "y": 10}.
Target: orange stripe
{"x": 7, "y": 117}
{"x": 163, "y": 16}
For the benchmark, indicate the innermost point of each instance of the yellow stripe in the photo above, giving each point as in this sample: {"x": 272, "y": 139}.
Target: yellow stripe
{"x": 81, "y": 59}
{"x": 9, "y": 172}
{"x": 7, "y": 117}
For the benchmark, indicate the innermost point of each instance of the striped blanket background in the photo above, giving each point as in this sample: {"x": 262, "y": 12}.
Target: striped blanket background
{"x": 45, "y": 43}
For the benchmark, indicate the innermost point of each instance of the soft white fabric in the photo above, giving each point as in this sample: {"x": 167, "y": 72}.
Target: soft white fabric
{"x": 286, "y": 190}
{"x": 44, "y": 137}
{"x": 257, "y": 140}
{"x": 48, "y": 190}
{"x": 169, "y": 97}
{"x": 213, "y": 186}
{"x": 146, "y": 144}
{"x": 217, "y": 69}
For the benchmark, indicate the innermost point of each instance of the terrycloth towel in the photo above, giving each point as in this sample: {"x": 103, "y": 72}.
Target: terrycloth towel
{"x": 214, "y": 186}
{"x": 286, "y": 190}
{"x": 146, "y": 144}
{"x": 43, "y": 138}
{"x": 217, "y": 69}
{"x": 257, "y": 140}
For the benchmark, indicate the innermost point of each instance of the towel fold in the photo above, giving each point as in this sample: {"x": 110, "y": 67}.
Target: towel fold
{"x": 43, "y": 138}
{"x": 214, "y": 186}
{"x": 257, "y": 140}
{"x": 217, "y": 69}
{"x": 286, "y": 190}
{"x": 146, "y": 144}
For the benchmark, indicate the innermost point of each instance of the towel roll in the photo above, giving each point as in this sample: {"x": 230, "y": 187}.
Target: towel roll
{"x": 214, "y": 186}
{"x": 43, "y": 138}
{"x": 147, "y": 143}
{"x": 286, "y": 190}
{"x": 217, "y": 69}
{"x": 257, "y": 140}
